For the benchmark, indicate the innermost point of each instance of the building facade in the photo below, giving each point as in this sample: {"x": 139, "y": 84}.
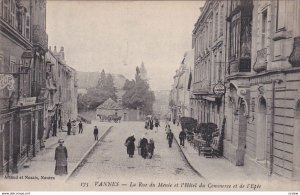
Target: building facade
{"x": 24, "y": 42}
{"x": 65, "y": 106}
{"x": 180, "y": 93}
{"x": 161, "y": 104}
{"x": 209, "y": 62}
{"x": 262, "y": 100}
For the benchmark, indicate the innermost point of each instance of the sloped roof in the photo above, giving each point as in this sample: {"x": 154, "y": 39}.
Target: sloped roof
{"x": 109, "y": 104}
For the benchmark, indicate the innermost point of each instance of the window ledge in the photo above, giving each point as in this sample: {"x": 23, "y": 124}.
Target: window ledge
{"x": 282, "y": 34}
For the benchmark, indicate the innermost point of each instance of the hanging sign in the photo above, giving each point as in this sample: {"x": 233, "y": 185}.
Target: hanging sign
{"x": 219, "y": 89}
{"x": 7, "y": 80}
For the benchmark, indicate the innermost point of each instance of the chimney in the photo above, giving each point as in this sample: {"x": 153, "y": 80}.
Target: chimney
{"x": 50, "y": 48}
{"x": 55, "y": 50}
{"x": 62, "y": 53}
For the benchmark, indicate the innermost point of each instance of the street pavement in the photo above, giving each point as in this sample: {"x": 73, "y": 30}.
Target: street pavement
{"x": 108, "y": 166}
{"x": 43, "y": 164}
{"x": 221, "y": 170}
{"x": 110, "y": 161}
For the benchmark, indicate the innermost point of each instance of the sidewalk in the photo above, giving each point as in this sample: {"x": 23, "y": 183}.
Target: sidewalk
{"x": 77, "y": 145}
{"x": 220, "y": 169}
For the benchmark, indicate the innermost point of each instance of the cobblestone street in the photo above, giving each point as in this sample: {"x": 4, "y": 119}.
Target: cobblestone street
{"x": 110, "y": 161}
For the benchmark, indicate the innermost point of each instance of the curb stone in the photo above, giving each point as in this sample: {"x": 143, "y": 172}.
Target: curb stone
{"x": 82, "y": 161}
{"x": 188, "y": 161}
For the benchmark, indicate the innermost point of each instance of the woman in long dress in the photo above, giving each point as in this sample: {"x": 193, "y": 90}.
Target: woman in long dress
{"x": 130, "y": 145}
{"x": 61, "y": 156}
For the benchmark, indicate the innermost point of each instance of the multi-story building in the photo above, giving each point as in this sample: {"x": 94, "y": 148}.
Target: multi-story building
{"x": 161, "y": 104}
{"x": 180, "y": 94}
{"x": 239, "y": 18}
{"x": 23, "y": 41}
{"x": 262, "y": 106}
{"x": 66, "y": 108}
{"x": 209, "y": 62}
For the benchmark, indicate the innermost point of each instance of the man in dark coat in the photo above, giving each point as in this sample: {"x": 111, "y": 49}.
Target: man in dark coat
{"x": 151, "y": 124}
{"x": 96, "y": 131}
{"x": 130, "y": 145}
{"x": 144, "y": 145}
{"x": 170, "y": 137}
{"x": 54, "y": 128}
{"x": 151, "y": 148}
{"x": 156, "y": 124}
{"x": 80, "y": 127}
{"x": 69, "y": 125}
{"x": 61, "y": 156}
{"x": 182, "y": 137}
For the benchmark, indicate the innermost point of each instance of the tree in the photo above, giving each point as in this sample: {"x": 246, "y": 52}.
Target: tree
{"x": 102, "y": 79}
{"x": 138, "y": 94}
{"x": 98, "y": 95}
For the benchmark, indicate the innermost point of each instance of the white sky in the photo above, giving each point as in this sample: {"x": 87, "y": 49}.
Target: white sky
{"x": 95, "y": 35}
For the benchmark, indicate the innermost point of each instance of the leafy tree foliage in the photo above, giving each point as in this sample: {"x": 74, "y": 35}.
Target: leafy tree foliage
{"x": 138, "y": 94}
{"x": 97, "y": 95}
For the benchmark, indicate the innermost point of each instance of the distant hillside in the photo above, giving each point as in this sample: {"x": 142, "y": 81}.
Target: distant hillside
{"x": 90, "y": 79}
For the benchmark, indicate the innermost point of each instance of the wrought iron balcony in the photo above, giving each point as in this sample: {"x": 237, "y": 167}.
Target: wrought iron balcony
{"x": 261, "y": 60}
{"x": 241, "y": 65}
{"x": 40, "y": 37}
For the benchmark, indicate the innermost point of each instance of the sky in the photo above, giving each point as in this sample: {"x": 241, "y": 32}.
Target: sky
{"x": 117, "y": 36}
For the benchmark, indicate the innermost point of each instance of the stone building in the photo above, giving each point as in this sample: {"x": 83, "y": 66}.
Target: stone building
{"x": 110, "y": 107}
{"x": 161, "y": 104}
{"x": 66, "y": 108}
{"x": 180, "y": 94}
{"x": 262, "y": 103}
{"x": 209, "y": 62}
{"x": 24, "y": 42}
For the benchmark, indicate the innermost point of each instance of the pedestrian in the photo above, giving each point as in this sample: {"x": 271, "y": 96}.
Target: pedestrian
{"x": 54, "y": 128}
{"x": 80, "y": 127}
{"x": 174, "y": 121}
{"x": 129, "y": 143}
{"x": 96, "y": 131}
{"x": 167, "y": 129}
{"x": 69, "y": 125}
{"x": 61, "y": 156}
{"x": 170, "y": 137}
{"x": 144, "y": 144}
{"x": 151, "y": 124}
{"x": 146, "y": 124}
{"x": 151, "y": 148}
{"x": 156, "y": 124}
{"x": 182, "y": 137}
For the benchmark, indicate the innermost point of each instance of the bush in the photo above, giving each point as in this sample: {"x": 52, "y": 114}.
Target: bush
{"x": 188, "y": 123}
{"x": 206, "y": 130}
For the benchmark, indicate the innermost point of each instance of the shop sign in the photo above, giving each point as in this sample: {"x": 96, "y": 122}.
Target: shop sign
{"x": 219, "y": 89}
{"x": 27, "y": 101}
{"x": 7, "y": 80}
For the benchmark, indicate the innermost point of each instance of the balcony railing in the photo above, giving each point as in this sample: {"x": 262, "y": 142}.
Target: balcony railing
{"x": 202, "y": 87}
{"x": 40, "y": 37}
{"x": 261, "y": 60}
{"x": 241, "y": 65}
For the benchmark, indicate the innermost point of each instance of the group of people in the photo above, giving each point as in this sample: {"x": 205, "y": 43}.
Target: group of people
{"x": 71, "y": 125}
{"x": 146, "y": 147}
{"x": 150, "y": 123}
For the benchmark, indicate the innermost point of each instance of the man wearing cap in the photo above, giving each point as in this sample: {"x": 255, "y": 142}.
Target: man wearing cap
{"x": 61, "y": 155}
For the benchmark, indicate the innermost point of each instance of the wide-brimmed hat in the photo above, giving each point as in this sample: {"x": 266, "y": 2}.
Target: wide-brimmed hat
{"x": 61, "y": 141}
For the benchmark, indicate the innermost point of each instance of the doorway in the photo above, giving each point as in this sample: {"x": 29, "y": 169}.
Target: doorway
{"x": 261, "y": 131}
{"x": 242, "y": 133}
